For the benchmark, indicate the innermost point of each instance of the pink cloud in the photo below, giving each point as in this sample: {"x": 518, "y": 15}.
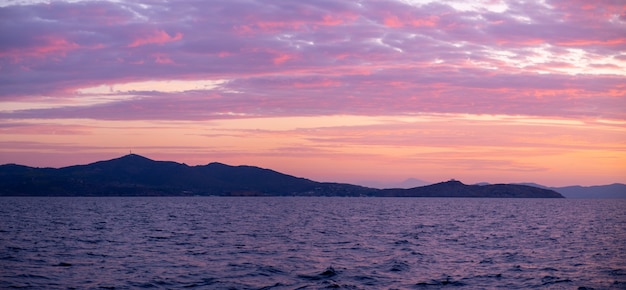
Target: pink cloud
{"x": 406, "y": 19}
{"x": 298, "y": 20}
{"x": 43, "y": 129}
{"x": 393, "y": 21}
{"x": 162, "y": 58}
{"x": 281, "y": 58}
{"x": 314, "y": 58}
{"x": 156, "y": 37}
{"x": 587, "y": 42}
{"x": 45, "y": 46}
{"x": 428, "y": 22}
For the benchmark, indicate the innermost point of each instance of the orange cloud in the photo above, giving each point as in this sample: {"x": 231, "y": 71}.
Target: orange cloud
{"x": 158, "y": 37}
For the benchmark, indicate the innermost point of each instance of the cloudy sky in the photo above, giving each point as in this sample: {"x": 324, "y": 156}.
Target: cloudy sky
{"x": 348, "y": 91}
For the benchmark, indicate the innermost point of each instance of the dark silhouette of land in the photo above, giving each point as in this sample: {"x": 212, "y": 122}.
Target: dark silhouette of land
{"x": 455, "y": 188}
{"x": 615, "y": 190}
{"x": 135, "y": 175}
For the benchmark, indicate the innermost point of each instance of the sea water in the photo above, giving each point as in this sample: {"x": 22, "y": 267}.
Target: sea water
{"x": 311, "y": 243}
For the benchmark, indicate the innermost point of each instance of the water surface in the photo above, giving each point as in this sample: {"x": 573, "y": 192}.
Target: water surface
{"x": 311, "y": 243}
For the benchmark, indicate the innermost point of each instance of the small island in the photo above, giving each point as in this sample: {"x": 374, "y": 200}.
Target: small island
{"x": 135, "y": 175}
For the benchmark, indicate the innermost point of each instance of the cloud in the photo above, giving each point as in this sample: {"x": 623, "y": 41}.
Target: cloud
{"x": 277, "y": 58}
{"x": 156, "y": 37}
{"x": 469, "y": 91}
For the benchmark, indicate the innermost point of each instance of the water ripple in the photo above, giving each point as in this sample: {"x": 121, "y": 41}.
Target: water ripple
{"x": 311, "y": 243}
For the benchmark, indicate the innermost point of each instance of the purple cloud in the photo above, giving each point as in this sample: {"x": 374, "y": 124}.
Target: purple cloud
{"x": 278, "y": 58}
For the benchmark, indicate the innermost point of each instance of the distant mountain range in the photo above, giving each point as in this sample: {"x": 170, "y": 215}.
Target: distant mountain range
{"x": 615, "y": 190}
{"x": 135, "y": 175}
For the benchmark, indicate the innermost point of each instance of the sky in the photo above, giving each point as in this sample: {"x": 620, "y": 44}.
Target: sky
{"x": 342, "y": 91}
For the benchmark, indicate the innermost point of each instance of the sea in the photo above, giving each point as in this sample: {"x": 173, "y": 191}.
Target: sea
{"x": 311, "y": 243}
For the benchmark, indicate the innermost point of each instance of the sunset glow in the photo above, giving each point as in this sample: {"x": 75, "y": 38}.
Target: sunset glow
{"x": 495, "y": 91}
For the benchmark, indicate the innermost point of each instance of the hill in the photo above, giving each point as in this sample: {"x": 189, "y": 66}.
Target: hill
{"x": 135, "y": 175}
{"x": 455, "y": 188}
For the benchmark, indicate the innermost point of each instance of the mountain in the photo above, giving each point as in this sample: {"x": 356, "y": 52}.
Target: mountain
{"x": 454, "y": 188}
{"x": 615, "y": 190}
{"x": 135, "y": 175}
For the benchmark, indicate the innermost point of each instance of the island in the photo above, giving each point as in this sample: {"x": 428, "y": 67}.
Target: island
{"x": 135, "y": 175}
